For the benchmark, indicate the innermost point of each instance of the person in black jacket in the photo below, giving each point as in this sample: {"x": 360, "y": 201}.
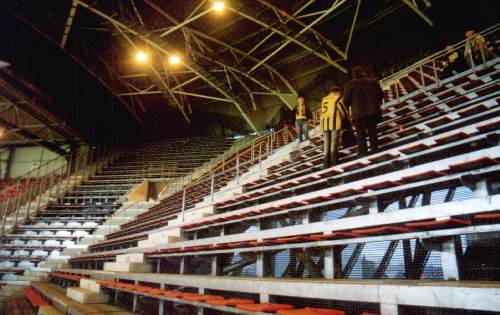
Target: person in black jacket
{"x": 363, "y": 96}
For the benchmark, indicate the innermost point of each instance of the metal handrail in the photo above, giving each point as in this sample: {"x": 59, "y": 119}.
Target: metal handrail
{"x": 80, "y": 168}
{"x": 395, "y": 77}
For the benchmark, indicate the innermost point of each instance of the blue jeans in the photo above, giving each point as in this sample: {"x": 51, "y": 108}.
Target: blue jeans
{"x": 302, "y": 130}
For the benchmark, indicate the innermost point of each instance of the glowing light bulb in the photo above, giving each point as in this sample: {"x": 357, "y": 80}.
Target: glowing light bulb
{"x": 218, "y": 5}
{"x": 174, "y": 59}
{"x": 141, "y": 56}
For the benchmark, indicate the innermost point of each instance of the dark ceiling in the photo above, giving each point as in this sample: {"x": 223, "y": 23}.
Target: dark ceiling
{"x": 239, "y": 67}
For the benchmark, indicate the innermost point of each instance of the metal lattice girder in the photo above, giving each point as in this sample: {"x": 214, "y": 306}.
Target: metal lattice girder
{"x": 157, "y": 78}
{"x": 418, "y": 11}
{"x": 320, "y": 37}
{"x": 205, "y": 36}
{"x": 288, "y": 34}
{"x": 167, "y": 50}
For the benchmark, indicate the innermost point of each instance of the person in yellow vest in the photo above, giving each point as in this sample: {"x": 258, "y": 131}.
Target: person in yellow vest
{"x": 301, "y": 120}
{"x": 333, "y": 112}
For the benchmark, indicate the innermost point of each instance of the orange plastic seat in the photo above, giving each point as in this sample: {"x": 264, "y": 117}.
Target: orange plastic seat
{"x": 172, "y": 294}
{"x": 311, "y": 311}
{"x": 229, "y": 302}
{"x": 487, "y": 216}
{"x": 200, "y": 297}
{"x": 382, "y": 230}
{"x": 435, "y": 224}
{"x": 265, "y": 307}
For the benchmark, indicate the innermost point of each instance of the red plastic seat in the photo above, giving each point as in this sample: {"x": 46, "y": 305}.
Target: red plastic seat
{"x": 382, "y": 230}
{"x": 347, "y": 193}
{"x": 415, "y": 148}
{"x": 451, "y": 138}
{"x": 472, "y": 164}
{"x": 489, "y": 126}
{"x": 354, "y": 166}
{"x": 265, "y": 307}
{"x": 200, "y": 297}
{"x": 172, "y": 294}
{"x": 34, "y": 297}
{"x": 436, "y": 224}
{"x": 311, "y": 311}
{"x": 487, "y": 217}
{"x": 384, "y": 157}
{"x": 422, "y": 176}
{"x": 228, "y": 302}
{"x": 335, "y": 235}
{"x": 382, "y": 185}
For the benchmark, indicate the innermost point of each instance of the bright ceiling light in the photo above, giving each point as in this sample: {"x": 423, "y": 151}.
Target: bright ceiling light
{"x": 174, "y": 60}
{"x": 218, "y": 5}
{"x": 141, "y": 57}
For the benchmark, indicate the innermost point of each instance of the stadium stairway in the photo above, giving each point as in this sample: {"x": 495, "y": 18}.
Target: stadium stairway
{"x": 89, "y": 208}
{"x": 380, "y": 233}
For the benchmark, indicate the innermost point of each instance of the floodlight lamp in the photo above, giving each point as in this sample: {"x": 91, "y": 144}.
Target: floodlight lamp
{"x": 174, "y": 59}
{"x": 218, "y": 5}
{"x": 141, "y": 57}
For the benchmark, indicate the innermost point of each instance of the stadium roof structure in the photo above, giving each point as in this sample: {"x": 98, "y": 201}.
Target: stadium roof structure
{"x": 235, "y": 57}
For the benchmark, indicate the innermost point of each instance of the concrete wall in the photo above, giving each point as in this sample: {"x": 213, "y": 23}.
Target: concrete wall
{"x": 26, "y": 159}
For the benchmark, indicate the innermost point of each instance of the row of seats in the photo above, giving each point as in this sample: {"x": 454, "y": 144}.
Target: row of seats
{"x": 143, "y": 219}
{"x": 214, "y": 301}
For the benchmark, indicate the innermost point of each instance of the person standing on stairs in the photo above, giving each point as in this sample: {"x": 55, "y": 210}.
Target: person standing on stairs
{"x": 363, "y": 96}
{"x": 333, "y": 113}
{"x": 301, "y": 120}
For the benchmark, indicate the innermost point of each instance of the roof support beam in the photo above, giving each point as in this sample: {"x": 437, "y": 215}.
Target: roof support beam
{"x": 419, "y": 12}
{"x": 69, "y": 22}
{"x": 351, "y": 31}
{"x": 291, "y": 39}
{"x": 165, "y": 87}
{"x": 223, "y": 44}
{"x": 186, "y": 22}
{"x": 161, "y": 48}
{"x": 209, "y": 97}
{"x": 320, "y": 36}
{"x": 27, "y": 134}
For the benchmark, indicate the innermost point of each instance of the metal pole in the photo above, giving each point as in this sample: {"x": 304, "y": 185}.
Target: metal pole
{"x": 212, "y": 182}
{"x": 438, "y": 82}
{"x": 6, "y": 209}
{"x": 183, "y": 204}
{"x": 260, "y": 155}
{"x": 422, "y": 77}
{"x": 238, "y": 167}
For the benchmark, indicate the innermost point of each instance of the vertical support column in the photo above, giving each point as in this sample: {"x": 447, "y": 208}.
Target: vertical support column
{"x": 158, "y": 265}
{"x": 201, "y": 309}
{"x": 329, "y": 271}
{"x": 260, "y": 265}
{"x": 134, "y": 303}
{"x": 161, "y": 302}
{"x": 449, "y": 260}
{"x": 182, "y": 266}
{"x": 333, "y": 263}
{"x": 388, "y": 309}
{"x": 373, "y": 207}
{"x": 8, "y": 163}
{"x": 215, "y": 268}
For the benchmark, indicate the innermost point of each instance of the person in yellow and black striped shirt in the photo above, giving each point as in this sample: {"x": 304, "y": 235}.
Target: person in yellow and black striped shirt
{"x": 333, "y": 113}
{"x": 301, "y": 120}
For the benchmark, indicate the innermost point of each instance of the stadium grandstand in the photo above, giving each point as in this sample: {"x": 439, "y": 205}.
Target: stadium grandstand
{"x": 152, "y": 158}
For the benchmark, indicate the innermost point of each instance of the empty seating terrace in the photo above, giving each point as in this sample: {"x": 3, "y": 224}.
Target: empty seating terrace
{"x": 426, "y": 207}
{"x": 78, "y": 212}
